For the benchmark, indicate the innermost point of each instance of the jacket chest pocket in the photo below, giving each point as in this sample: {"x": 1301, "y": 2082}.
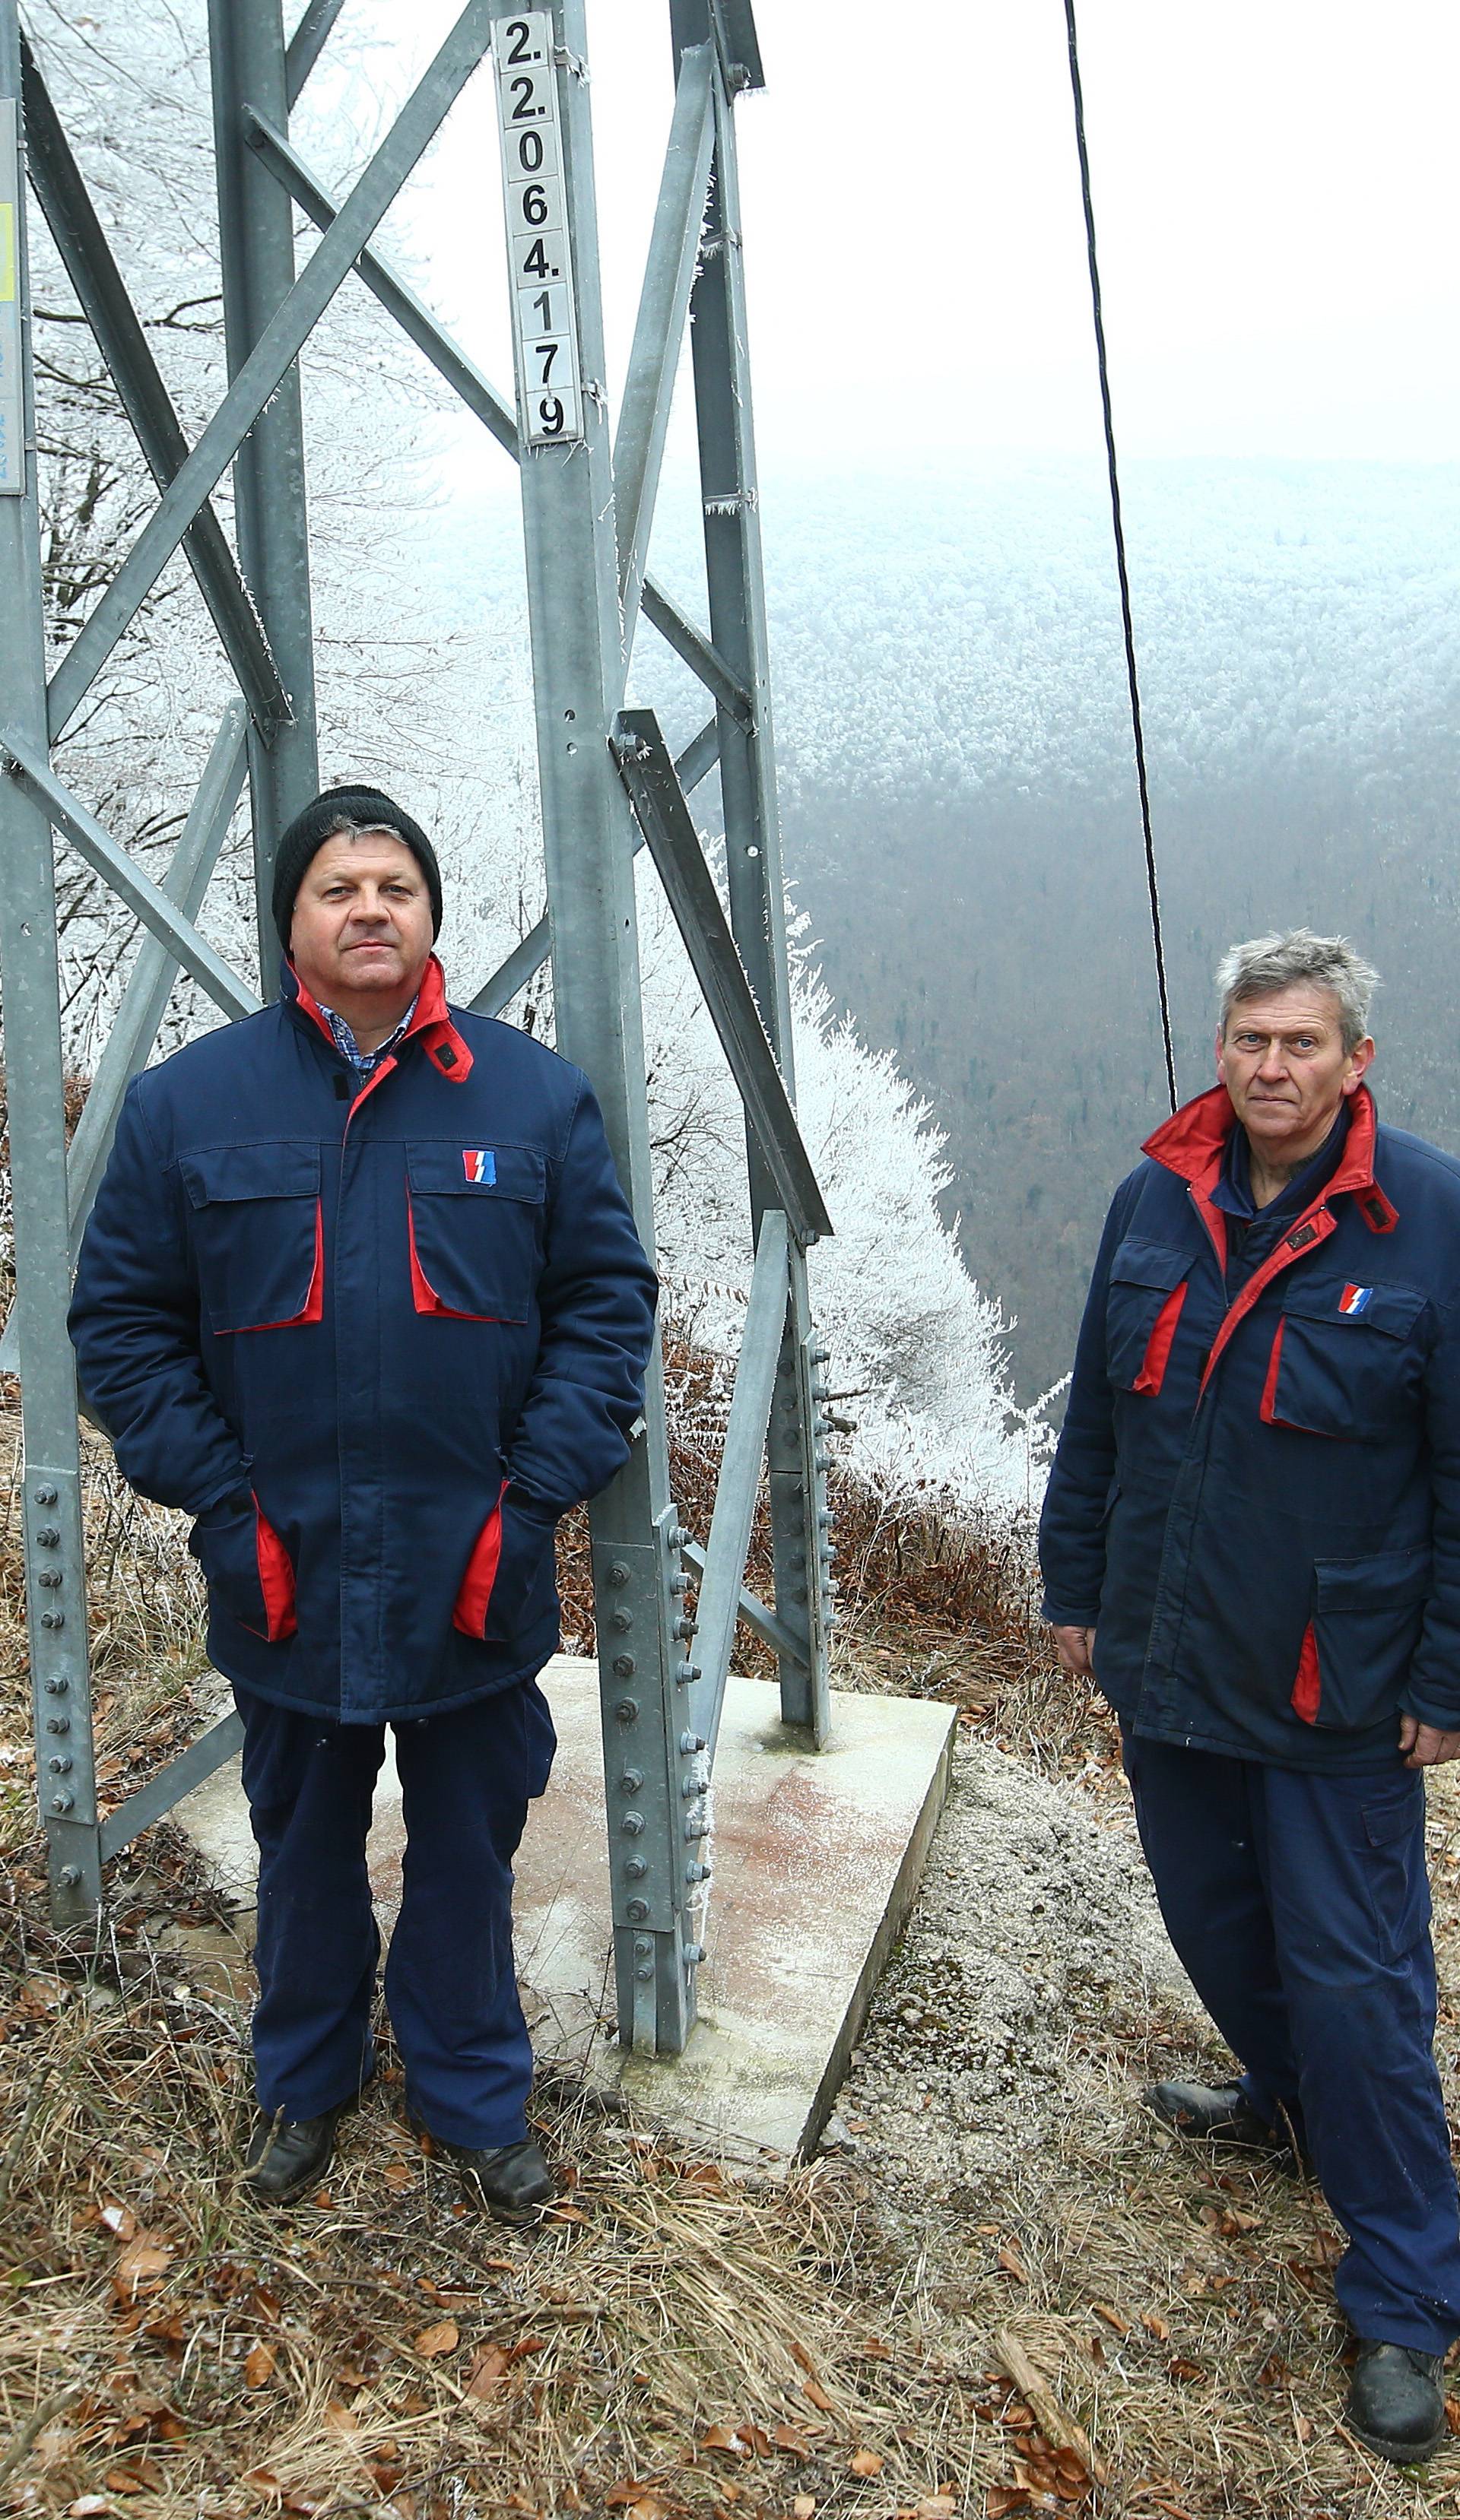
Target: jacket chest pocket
{"x": 1142, "y": 1306}
{"x": 475, "y": 1229}
{"x": 1347, "y": 1361}
{"x": 257, "y": 1235}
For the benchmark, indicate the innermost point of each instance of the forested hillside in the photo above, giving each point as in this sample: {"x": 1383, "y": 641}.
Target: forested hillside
{"x": 960, "y": 816}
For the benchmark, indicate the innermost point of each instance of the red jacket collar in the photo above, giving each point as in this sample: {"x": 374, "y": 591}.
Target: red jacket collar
{"x": 431, "y": 1024}
{"x": 1191, "y": 1143}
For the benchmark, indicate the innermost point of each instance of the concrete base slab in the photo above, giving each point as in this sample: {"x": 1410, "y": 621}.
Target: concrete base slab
{"x": 816, "y": 1855}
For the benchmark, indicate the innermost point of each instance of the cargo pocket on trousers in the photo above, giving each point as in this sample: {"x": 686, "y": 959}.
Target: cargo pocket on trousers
{"x": 1395, "y": 1875}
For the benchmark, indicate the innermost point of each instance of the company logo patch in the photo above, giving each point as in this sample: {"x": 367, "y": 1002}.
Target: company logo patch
{"x": 480, "y": 1163}
{"x": 1353, "y": 1299}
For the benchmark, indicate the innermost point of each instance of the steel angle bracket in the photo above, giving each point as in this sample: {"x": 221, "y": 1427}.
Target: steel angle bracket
{"x": 655, "y": 1817}
{"x": 668, "y": 826}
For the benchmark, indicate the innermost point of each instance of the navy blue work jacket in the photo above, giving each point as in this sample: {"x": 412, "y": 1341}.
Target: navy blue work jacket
{"x": 1255, "y": 1499}
{"x": 376, "y": 1339}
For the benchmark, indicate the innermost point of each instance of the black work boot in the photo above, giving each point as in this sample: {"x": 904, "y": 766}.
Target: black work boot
{"x": 511, "y": 2178}
{"x": 1219, "y": 2113}
{"x": 286, "y": 2155}
{"x": 1395, "y": 2406}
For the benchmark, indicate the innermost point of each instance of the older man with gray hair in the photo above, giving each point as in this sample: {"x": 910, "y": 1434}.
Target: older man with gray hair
{"x": 1251, "y": 1543}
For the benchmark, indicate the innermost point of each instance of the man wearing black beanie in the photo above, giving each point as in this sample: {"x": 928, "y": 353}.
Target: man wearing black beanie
{"x": 362, "y": 1293}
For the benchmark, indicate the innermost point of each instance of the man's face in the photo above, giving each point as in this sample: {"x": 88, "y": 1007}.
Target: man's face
{"x": 1282, "y": 1061}
{"x": 362, "y": 925}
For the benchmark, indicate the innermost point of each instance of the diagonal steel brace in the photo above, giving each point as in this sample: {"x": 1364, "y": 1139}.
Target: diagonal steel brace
{"x": 146, "y": 899}
{"x": 664, "y": 818}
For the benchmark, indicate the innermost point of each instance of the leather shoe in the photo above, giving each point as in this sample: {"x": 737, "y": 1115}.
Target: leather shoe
{"x": 1217, "y": 2114}
{"x": 1395, "y": 2406}
{"x": 286, "y": 2155}
{"x": 510, "y": 2178}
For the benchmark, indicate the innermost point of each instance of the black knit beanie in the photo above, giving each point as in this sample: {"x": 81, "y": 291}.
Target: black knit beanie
{"x": 369, "y": 810}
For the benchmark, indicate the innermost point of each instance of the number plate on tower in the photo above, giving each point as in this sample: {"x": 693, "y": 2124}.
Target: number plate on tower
{"x": 544, "y": 316}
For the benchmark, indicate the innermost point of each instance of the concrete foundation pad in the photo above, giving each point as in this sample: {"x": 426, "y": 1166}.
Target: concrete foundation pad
{"x": 815, "y": 1855}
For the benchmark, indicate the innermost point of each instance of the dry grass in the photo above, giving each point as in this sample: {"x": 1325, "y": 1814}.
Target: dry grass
{"x": 675, "y": 2337}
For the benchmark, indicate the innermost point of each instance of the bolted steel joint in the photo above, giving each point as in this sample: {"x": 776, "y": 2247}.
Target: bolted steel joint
{"x": 63, "y": 1803}
{"x": 637, "y": 1912}
{"x": 632, "y": 1823}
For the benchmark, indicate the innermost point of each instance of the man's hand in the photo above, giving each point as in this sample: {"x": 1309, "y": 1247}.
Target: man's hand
{"x": 1073, "y": 1645}
{"x": 1421, "y": 1745}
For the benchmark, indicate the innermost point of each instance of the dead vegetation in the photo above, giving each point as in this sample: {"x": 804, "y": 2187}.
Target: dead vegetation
{"x": 1121, "y": 2328}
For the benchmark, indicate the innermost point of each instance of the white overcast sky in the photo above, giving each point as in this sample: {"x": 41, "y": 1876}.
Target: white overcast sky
{"x": 1275, "y": 192}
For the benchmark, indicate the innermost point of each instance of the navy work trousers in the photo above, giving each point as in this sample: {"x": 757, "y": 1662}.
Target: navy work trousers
{"x": 466, "y": 1780}
{"x": 1299, "y": 1907}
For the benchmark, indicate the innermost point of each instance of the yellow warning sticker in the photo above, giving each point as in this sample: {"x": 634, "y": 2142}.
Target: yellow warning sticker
{"x": 7, "y": 252}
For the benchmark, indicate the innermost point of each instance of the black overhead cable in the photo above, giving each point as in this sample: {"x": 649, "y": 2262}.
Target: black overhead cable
{"x": 1120, "y": 533}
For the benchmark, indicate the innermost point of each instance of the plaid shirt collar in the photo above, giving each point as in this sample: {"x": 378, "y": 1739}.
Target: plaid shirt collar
{"x": 365, "y": 1061}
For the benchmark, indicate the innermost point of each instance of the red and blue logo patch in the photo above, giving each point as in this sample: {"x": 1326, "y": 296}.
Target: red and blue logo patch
{"x": 1353, "y": 1299}
{"x": 480, "y": 1163}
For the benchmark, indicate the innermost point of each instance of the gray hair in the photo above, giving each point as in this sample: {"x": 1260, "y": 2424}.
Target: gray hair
{"x": 1267, "y": 963}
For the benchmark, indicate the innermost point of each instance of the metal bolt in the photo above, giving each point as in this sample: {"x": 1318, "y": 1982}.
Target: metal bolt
{"x": 624, "y": 1666}
{"x": 819, "y": 1391}
{"x": 630, "y": 1780}
{"x": 60, "y": 1803}
{"x": 49, "y": 1577}
{"x": 60, "y": 1766}
{"x": 684, "y": 1628}
{"x": 645, "y": 1972}
{"x": 45, "y": 1496}
{"x": 825, "y": 1520}
{"x": 617, "y": 1574}
{"x": 690, "y": 1742}
{"x": 621, "y": 1619}
{"x": 637, "y": 1910}
{"x": 691, "y": 1786}
{"x": 823, "y": 1461}
{"x": 697, "y": 1873}
{"x": 697, "y": 1826}
{"x": 626, "y": 1710}
{"x": 57, "y": 1723}
{"x": 678, "y": 1536}
{"x": 694, "y": 1954}
{"x": 820, "y": 1354}
{"x": 53, "y": 1618}
{"x": 71, "y": 1876}
{"x": 643, "y": 1947}
{"x": 687, "y": 1673}
{"x": 679, "y": 1584}
{"x": 56, "y": 1686}
{"x": 48, "y": 1537}
{"x": 632, "y": 1823}
{"x": 635, "y": 1868}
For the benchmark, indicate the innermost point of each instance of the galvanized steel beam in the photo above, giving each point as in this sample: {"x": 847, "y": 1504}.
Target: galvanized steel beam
{"x": 51, "y": 1494}
{"x": 738, "y": 1485}
{"x": 255, "y": 241}
{"x": 305, "y": 45}
{"x": 735, "y": 579}
{"x": 665, "y": 819}
{"x": 663, "y": 309}
{"x": 572, "y": 607}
